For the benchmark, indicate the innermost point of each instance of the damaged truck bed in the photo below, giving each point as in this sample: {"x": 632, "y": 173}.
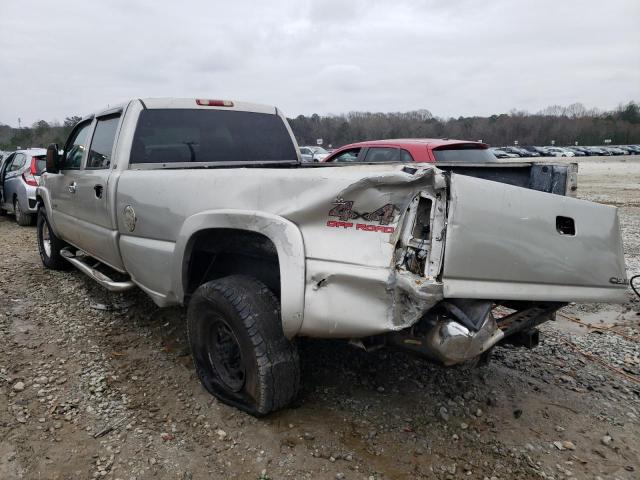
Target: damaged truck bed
{"x": 205, "y": 203}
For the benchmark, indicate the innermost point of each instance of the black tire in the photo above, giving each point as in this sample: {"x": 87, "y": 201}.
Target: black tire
{"x": 23, "y": 219}
{"x": 3, "y": 212}
{"x": 50, "y": 259}
{"x": 238, "y": 347}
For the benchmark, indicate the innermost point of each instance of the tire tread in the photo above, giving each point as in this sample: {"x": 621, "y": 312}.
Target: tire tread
{"x": 276, "y": 357}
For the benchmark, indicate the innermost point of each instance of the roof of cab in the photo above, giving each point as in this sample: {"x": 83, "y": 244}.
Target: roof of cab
{"x": 171, "y": 102}
{"x": 191, "y": 104}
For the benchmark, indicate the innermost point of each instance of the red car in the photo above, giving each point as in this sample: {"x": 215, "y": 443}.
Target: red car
{"x": 430, "y": 150}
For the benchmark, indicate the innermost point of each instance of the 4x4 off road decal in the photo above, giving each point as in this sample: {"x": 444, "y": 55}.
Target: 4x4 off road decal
{"x": 345, "y": 212}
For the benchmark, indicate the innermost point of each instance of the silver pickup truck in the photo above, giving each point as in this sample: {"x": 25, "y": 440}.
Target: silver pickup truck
{"x": 206, "y": 203}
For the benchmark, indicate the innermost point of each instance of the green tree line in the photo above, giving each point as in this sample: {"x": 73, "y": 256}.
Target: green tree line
{"x": 40, "y": 134}
{"x": 564, "y": 125}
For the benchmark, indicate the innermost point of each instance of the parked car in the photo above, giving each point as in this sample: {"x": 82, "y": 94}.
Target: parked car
{"x": 559, "y": 152}
{"x": 598, "y": 151}
{"x": 313, "y": 154}
{"x": 629, "y": 149}
{"x": 397, "y": 254}
{"x": 542, "y": 151}
{"x": 615, "y": 150}
{"x": 463, "y": 156}
{"x": 582, "y": 149}
{"x": 19, "y": 177}
{"x": 413, "y": 150}
{"x": 531, "y": 150}
{"x": 576, "y": 151}
{"x": 306, "y": 154}
{"x": 520, "y": 152}
{"x": 500, "y": 153}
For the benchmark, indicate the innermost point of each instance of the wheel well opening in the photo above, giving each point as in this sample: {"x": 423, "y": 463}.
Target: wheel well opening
{"x": 217, "y": 253}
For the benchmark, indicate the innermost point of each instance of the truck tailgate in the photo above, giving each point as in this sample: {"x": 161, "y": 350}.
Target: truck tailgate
{"x": 511, "y": 243}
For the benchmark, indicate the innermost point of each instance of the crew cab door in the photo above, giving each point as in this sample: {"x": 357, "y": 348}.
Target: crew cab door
{"x": 3, "y": 172}
{"x": 83, "y": 199}
{"x": 10, "y": 179}
{"x": 63, "y": 185}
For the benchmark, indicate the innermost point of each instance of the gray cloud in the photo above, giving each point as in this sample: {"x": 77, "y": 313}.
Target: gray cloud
{"x": 454, "y": 58}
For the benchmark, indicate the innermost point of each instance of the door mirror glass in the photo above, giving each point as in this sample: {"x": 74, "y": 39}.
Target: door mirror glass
{"x": 53, "y": 158}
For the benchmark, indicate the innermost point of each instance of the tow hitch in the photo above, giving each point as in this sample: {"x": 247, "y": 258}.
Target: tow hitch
{"x": 462, "y": 330}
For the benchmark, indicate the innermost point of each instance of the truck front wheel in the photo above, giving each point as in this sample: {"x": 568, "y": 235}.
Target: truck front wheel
{"x": 49, "y": 245}
{"x": 239, "y": 349}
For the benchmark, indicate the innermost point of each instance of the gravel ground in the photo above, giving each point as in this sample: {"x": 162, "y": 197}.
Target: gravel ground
{"x": 98, "y": 385}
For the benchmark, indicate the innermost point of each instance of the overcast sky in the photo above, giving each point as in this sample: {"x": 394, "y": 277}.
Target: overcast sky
{"x": 455, "y": 57}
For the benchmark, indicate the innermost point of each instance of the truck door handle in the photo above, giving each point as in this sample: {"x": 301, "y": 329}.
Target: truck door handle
{"x": 98, "y": 190}
{"x": 72, "y": 187}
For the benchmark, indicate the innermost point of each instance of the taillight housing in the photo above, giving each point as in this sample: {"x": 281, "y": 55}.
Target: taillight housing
{"x": 29, "y": 177}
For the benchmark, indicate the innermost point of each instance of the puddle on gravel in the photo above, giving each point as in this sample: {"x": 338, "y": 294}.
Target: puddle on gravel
{"x": 20, "y": 324}
{"x": 603, "y": 319}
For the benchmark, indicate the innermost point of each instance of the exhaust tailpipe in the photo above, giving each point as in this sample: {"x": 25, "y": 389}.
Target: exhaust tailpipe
{"x": 451, "y": 342}
{"x": 466, "y": 332}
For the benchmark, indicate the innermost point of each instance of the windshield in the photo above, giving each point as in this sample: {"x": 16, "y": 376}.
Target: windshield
{"x": 468, "y": 153}
{"x": 194, "y": 135}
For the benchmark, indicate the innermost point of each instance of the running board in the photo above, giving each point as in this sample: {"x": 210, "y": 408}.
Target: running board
{"x": 99, "y": 277}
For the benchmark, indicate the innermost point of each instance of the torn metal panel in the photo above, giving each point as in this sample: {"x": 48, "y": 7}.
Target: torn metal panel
{"x": 350, "y": 301}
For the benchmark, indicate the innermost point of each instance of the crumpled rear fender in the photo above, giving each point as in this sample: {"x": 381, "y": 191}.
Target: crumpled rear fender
{"x": 284, "y": 234}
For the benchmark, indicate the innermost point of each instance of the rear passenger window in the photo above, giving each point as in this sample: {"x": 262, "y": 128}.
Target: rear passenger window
{"x": 382, "y": 154}
{"x": 18, "y": 162}
{"x": 75, "y": 148}
{"x": 102, "y": 142}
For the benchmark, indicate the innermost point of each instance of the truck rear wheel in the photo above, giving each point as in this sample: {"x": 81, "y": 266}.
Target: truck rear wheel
{"x": 239, "y": 349}
{"x": 49, "y": 245}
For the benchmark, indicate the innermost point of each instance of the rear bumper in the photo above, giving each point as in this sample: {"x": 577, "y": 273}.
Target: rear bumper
{"x": 26, "y": 195}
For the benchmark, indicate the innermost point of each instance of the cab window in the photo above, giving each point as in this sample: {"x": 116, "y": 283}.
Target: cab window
{"x": 102, "y": 142}
{"x": 76, "y": 146}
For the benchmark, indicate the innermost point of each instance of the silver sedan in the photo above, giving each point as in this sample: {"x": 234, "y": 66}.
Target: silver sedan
{"x": 19, "y": 176}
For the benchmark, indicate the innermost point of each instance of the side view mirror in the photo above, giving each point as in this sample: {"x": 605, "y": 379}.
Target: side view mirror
{"x": 53, "y": 158}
